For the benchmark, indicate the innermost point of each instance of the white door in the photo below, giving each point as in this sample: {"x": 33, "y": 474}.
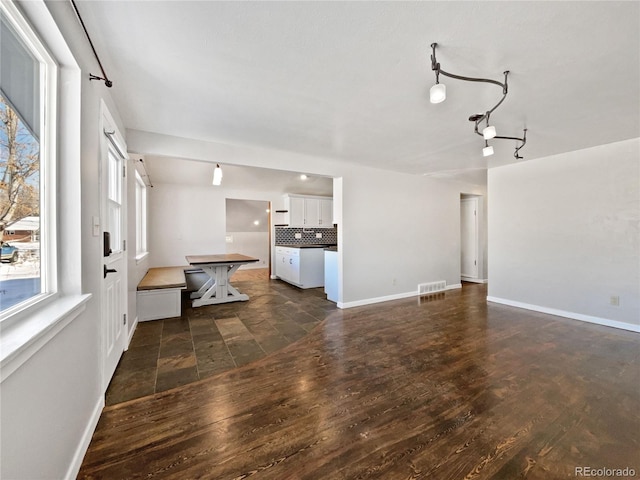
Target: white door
{"x": 113, "y": 209}
{"x": 469, "y": 237}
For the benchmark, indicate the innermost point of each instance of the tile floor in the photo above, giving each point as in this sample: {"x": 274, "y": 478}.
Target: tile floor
{"x": 205, "y": 341}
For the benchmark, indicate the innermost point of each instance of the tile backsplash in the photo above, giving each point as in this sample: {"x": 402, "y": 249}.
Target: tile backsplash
{"x": 286, "y": 236}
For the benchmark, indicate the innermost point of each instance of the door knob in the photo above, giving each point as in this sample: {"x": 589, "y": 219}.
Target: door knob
{"x": 108, "y": 270}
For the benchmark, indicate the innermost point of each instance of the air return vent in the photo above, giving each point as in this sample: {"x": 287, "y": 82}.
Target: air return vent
{"x": 432, "y": 287}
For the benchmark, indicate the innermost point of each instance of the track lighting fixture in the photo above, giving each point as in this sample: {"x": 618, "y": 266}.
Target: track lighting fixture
{"x": 437, "y": 94}
{"x": 217, "y": 175}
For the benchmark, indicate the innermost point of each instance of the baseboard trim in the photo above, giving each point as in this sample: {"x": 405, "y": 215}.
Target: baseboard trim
{"x": 85, "y": 440}
{"x": 370, "y": 301}
{"x": 133, "y": 330}
{"x": 563, "y": 313}
{"x": 474, "y": 280}
{"x": 388, "y": 298}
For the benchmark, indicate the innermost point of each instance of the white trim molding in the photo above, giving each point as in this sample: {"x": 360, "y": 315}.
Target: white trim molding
{"x": 21, "y": 340}
{"x": 388, "y": 298}
{"x": 132, "y": 330}
{"x": 474, "y": 280}
{"x": 85, "y": 440}
{"x": 563, "y": 313}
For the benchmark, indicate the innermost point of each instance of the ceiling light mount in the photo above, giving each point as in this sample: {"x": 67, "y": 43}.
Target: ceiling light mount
{"x": 438, "y": 95}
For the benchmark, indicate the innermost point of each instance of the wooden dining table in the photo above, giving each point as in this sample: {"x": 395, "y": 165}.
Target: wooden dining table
{"x": 219, "y": 268}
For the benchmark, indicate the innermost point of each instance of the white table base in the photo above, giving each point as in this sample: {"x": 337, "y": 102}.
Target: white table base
{"x": 218, "y": 289}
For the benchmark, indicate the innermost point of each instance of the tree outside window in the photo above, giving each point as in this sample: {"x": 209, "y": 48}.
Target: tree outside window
{"x": 19, "y": 199}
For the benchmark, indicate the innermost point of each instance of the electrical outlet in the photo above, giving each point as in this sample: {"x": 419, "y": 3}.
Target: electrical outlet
{"x": 318, "y": 235}
{"x": 298, "y": 236}
{"x": 614, "y": 300}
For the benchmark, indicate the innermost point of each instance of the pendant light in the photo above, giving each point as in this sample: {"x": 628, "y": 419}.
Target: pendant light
{"x": 217, "y": 175}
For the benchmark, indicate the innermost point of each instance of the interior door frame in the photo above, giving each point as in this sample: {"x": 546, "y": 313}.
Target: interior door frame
{"x": 475, "y": 200}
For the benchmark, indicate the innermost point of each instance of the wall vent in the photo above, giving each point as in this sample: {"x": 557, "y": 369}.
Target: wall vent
{"x": 432, "y": 287}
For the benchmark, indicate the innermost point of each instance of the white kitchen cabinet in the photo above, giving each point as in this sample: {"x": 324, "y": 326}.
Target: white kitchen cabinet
{"x": 308, "y": 212}
{"x": 326, "y": 213}
{"x": 311, "y": 212}
{"x": 302, "y": 267}
{"x": 295, "y": 215}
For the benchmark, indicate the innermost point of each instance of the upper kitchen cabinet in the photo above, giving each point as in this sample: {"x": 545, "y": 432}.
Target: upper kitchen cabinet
{"x": 307, "y": 211}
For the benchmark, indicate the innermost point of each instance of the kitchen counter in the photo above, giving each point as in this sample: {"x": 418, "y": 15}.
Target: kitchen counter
{"x": 304, "y": 245}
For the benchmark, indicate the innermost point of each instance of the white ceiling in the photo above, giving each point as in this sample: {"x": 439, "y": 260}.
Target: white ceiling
{"x": 350, "y": 80}
{"x": 181, "y": 171}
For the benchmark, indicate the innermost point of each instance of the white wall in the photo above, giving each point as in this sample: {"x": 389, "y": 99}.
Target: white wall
{"x": 252, "y": 244}
{"x": 51, "y": 403}
{"x": 564, "y": 233}
{"x": 398, "y": 231}
{"x": 191, "y": 220}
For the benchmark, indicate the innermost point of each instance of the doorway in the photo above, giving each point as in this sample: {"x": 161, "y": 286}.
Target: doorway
{"x": 248, "y": 230}
{"x": 471, "y": 253}
{"x": 113, "y": 198}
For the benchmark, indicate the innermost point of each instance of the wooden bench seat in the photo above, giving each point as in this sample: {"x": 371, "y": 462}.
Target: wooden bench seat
{"x": 163, "y": 277}
{"x": 160, "y": 293}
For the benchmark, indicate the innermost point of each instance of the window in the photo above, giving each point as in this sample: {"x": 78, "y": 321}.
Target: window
{"x": 141, "y": 217}
{"x": 34, "y": 60}
{"x": 27, "y": 164}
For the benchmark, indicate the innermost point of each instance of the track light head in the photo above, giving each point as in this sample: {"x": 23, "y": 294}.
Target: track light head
{"x": 487, "y": 150}
{"x": 489, "y": 132}
{"x": 438, "y": 93}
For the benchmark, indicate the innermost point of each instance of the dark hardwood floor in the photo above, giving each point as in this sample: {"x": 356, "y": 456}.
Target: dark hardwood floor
{"x": 441, "y": 387}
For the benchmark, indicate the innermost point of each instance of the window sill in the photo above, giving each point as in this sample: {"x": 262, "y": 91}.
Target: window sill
{"x": 141, "y": 257}
{"x": 21, "y": 340}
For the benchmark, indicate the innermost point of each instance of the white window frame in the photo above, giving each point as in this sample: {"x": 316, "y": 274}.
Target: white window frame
{"x": 27, "y": 327}
{"x": 141, "y": 218}
{"x": 48, "y": 161}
